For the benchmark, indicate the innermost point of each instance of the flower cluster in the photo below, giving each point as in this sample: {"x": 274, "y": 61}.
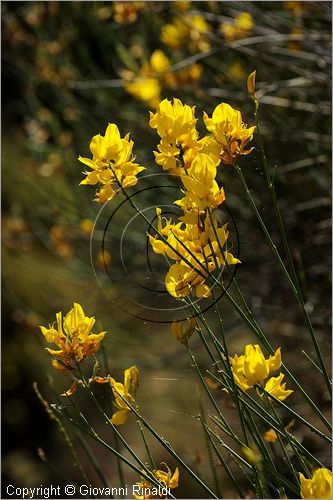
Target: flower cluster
{"x": 252, "y": 368}
{"x": 73, "y": 337}
{"x": 167, "y": 479}
{"x": 196, "y": 241}
{"x": 112, "y": 165}
{"x": 230, "y": 134}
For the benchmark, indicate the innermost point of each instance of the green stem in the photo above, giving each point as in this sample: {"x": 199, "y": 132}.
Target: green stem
{"x": 92, "y": 433}
{"x": 209, "y": 445}
{"x": 244, "y": 462}
{"x": 150, "y": 456}
{"x": 222, "y": 460}
{"x": 261, "y": 336}
{"x": 116, "y": 440}
{"x": 293, "y": 285}
{"x": 102, "y": 412}
{"x": 168, "y": 447}
{"x": 269, "y": 421}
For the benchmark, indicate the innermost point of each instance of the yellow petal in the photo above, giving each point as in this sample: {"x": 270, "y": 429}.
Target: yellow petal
{"x": 120, "y": 417}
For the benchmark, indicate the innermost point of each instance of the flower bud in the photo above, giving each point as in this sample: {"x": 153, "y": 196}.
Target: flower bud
{"x": 251, "y": 85}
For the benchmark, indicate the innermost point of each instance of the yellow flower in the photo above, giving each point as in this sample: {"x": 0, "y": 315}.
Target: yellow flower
{"x": 252, "y": 368}
{"x": 147, "y": 84}
{"x": 186, "y": 30}
{"x": 239, "y": 28}
{"x": 131, "y": 382}
{"x": 86, "y": 226}
{"x": 144, "y": 488}
{"x": 173, "y": 120}
{"x": 73, "y": 337}
{"x": 256, "y": 368}
{"x": 145, "y": 89}
{"x": 167, "y": 480}
{"x": 230, "y": 134}
{"x": 179, "y": 280}
{"x": 112, "y": 164}
{"x": 270, "y": 436}
{"x": 237, "y": 366}
{"x": 202, "y": 190}
{"x": 159, "y": 62}
{"x": 195, "y": 248}
{"x": 173, "y": 35}
{"x": 179, "y": 333}
{"x": 319, "y": 486}
{"x": 275, "y": 387}
{"x": 175, "y": 124}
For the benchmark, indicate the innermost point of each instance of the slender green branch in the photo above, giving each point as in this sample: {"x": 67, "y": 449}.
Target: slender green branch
{"x": 293, "y": 285}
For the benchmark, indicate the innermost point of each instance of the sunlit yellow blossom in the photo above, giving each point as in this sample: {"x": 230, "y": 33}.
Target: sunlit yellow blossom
{"x": 198, "y": 250}
{"x": 256, "y": 368}
{"x": 237, "y": 366}
{"x": 112, "y": 164}
{"x": 191, "y": 242}
{"x": 276, "y": 388}
{"x": 230, "y": 134}
{"x": 270, "y": 436}
{"x": 202, "y": 190}
{"x": 179, "y": 333}
{"x": 73, "y": 337}
{"x": 174, "y": 120}
{"x": 319, "y": 486}
{"x": 175, "y": 124}
{"x": 167, "y": 479}
{"x": 252, "y": 367}
{"x": 239, "y": 28}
